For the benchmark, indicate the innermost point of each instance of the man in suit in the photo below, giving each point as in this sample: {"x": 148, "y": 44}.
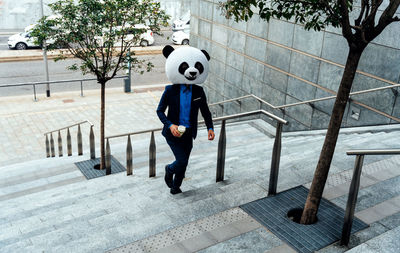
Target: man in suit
{"x": 183, "y": 102}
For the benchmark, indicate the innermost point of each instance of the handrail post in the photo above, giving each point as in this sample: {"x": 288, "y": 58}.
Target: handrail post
{"x": 221, "y": 153}
{"x": 92, "y": 144}
{"x": 69, "y": 143}
{"x": 79, "y": 137}
{"x": 81, "y": 88}
{"x": 152, "y": 156}
{"x": 276, "y": 157}
{"x": 129, "y": 166}
{"x": 34, "y": 93}
{"x": 60, "y": 147}
{"x": 53, "y": 153}
{"x": 108, "y": 158}
{"x": 351, "y": 200}
{"x": 47, "y": 146}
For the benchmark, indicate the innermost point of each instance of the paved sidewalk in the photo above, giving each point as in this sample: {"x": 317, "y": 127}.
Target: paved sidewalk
{"x": 23, "y": 121}
{"x": 37, "y": 54}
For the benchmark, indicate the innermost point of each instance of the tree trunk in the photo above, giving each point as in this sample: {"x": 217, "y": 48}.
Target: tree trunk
{"x": 102, "y": 120}
{"x": 309, "y": 215}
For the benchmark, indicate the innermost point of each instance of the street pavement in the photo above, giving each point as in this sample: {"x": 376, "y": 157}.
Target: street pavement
{"x": 23, "y": 121}
{"x": 34, "y": 71}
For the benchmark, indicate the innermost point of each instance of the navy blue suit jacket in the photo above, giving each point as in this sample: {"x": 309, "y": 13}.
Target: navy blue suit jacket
{"x": 171, "y": 99}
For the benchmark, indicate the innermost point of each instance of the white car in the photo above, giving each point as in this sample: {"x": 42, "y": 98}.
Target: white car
{"x": 22, "y": 41}
{"x": 181, "y": 38}
{"x": 183, "y": 23}
{"x": 146, "y": 38}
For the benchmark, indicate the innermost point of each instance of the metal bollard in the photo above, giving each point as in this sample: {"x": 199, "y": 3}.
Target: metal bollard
{"x": 129, "y": 165}
{"x": 60, "y": 147}
{"x": 108, "y": 158}
{"x": 276, "y": 156}
{"x": 79, "y": 137}
{"x": 69, "y": 143}
{"x": 53, "y": 153}
{"x": 92, "y": 144}
{"x": 221, "y": 154}
{"x": 152, "y": 156}
{"x": 47, "y": 147}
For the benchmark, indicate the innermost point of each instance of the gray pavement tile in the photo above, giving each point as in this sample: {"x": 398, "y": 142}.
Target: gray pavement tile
{"x": 258, "y": 240}
{"x": 374, "y": 194}
{"x": 225, "y": 233}
{"x": 284, "y": 248}
{"x": 386, "y": 242}
{"x": 392, "y": 221}
{"x": 199, "y": 242}
{"x": 176, "y": 248}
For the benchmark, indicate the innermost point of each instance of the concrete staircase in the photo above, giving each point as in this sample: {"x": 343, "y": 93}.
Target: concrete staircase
{"x": 47, "y": 205}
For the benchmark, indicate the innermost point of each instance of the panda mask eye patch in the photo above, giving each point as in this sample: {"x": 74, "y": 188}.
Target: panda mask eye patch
{"x": 183, "y": 67}
{"x": 199, "y": 67}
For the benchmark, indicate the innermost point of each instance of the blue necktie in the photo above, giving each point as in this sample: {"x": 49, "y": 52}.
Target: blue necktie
{"x": 186, "y": 89}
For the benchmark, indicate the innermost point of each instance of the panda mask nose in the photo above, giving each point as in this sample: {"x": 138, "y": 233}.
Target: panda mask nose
{"x": 191, "y": 73}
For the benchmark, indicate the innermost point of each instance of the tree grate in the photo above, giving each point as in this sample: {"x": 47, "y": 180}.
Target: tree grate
{"x": 86, "y": 167}
{"x": 272, "y": 213}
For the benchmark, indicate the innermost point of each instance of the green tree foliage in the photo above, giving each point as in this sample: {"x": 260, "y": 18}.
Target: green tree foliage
{"x": 371, "y": 18}
{"x": 100, "y": 33}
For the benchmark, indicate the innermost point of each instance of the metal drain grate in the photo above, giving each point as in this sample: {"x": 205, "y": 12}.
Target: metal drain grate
{"x": 272, "y": 213}
{"x": 86, "y": 167}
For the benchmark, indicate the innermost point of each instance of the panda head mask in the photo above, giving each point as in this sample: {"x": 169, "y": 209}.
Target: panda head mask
{"x": 186, "y": 65}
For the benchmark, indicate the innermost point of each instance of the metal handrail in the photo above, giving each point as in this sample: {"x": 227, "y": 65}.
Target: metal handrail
{"x": 276, "y": 151}
{"x": 50, "y": 150}
{"x": 374, "y": 152}
{"x": 311, "y": 100}
{"x": 55, "y": 82}
{"x": 66, "y": 127}
{"x": 227, "y": 117}
{"x": 355, "y": 186}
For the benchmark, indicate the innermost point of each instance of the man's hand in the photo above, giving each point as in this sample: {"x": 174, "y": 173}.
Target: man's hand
{"x": 174, "y": 130}
{"x": 211, "y": 135}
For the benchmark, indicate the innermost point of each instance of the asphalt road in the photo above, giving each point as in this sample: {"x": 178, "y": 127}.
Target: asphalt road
{"x": 34, "y": 71}
{"x": 3, "y": 42}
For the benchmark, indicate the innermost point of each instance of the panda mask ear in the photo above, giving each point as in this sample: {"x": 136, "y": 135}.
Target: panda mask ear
{"x": 167, "y": 50}
{"x": 206, "y": 54}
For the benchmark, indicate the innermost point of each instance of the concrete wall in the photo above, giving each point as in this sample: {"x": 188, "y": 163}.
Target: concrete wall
{"x": 282, "y": 63}
{"x": 17, "y": 14}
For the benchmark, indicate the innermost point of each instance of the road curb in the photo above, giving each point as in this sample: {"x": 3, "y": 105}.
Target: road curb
{"x": 36, "y": 55}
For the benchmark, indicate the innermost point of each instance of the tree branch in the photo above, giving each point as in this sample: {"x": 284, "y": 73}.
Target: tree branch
{"x": 357, "y": 22}
{"x": 386, "y": 18}
{"x": 345, "y": 22}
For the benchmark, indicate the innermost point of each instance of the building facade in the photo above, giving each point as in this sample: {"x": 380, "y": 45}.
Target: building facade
{"x": 282, "y": 63}
{"x": 16, "y": 15}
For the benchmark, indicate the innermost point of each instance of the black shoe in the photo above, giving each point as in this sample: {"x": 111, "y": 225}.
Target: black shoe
{"x": 168, "y": 177}
{"x": 175, "y": 191}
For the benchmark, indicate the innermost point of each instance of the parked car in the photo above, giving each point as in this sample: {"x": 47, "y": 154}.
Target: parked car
{"x": 182, "y": 23}
{"x": 22, "y": 41}
{"x": 146, "y": 38}
{"x": 181, "y": 37}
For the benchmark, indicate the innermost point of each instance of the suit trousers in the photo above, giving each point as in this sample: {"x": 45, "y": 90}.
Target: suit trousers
{"x": 181, "y": 147}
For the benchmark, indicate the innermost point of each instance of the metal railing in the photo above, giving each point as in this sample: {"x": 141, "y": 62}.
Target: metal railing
{"x": 355, "y": 186}
{"x": 276, "y": 151}
{"x": 35, "y": 84}
{"x": 50, "y": 147}
{"x": 316, "y": 100}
